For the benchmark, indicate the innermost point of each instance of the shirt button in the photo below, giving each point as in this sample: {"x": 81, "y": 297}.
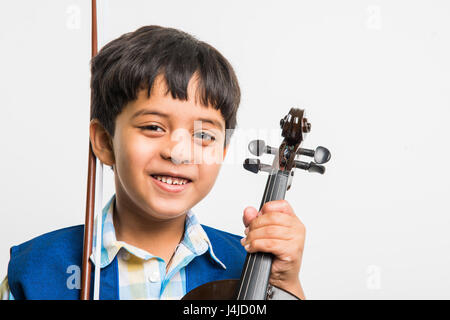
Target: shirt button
{"x": 153, "y": 277}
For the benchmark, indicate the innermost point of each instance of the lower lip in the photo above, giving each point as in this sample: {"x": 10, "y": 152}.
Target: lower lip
{"x": 174, "y": 188}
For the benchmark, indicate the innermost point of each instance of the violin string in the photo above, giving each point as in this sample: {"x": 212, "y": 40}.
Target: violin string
{"x": 245, "y": 280}
{"x": 252, "y": 256}
{"x": 264, "y": 254}
{"x": 252, "y": 260}
{"x": 271, "y": 198}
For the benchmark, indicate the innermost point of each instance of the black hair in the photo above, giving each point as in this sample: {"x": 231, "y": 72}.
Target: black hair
{"x": 131, "y": 63}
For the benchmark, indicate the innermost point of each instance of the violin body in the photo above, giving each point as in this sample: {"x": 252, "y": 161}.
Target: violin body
{"x": 228, "y": 289}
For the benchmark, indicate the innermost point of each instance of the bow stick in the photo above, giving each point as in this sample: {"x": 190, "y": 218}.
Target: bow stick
{"x": 90, "y": 196}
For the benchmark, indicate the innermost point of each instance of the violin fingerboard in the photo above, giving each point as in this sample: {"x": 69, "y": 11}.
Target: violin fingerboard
{"x": 257, "y": 266}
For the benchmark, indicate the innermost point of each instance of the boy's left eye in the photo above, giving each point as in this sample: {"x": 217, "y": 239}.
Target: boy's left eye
{"x": 208, "y": 136}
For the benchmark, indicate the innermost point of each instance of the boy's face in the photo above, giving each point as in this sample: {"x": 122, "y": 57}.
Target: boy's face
{"x": 160, "y": 135}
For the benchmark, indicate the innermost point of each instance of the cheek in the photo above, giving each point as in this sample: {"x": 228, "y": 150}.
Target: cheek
{"x": 212, "y": 155}
{"x": 134, "y": 153}
{"x": 207, "y": 177}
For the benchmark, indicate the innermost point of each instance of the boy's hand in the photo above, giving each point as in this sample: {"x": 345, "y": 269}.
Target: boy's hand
{"x": 276, "y": 229}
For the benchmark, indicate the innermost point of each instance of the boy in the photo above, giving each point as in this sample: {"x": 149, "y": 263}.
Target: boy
{"x": 164, "y": 105}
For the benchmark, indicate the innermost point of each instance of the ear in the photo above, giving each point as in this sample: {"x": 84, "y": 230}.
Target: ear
{"x": 101, "y": 143}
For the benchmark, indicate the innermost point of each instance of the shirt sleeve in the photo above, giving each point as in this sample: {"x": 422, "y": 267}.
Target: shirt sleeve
{"x": 5, "y": 292}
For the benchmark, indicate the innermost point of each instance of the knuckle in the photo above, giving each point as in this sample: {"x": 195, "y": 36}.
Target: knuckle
{"x": 285, "y": 204}
{"x": 273, "y": 217}
{"x": 254, "y": 244}
{"x": 270, "y": 244}
{"x": 253, "y": 224}
{"x": 271, "y": 213}
{"x": 266, "y": 207}
{"x": 271, "y": 231}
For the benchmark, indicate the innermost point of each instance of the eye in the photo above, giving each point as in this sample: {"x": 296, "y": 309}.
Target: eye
{"x": 151, "y": 127}
{"x": 205, "y": 136}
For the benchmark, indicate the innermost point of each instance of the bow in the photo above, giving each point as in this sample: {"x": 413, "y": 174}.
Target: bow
{"x": 93, "y": 176}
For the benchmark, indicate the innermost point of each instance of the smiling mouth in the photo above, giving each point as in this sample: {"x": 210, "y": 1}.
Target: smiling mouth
{"x": 173, "y": 181}
{"x": 170, "y": 186}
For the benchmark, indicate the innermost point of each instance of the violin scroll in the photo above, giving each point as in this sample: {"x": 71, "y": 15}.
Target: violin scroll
{"x": 294, "y": 128}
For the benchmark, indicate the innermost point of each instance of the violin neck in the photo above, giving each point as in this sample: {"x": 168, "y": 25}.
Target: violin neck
{"x": 256, "y": 270}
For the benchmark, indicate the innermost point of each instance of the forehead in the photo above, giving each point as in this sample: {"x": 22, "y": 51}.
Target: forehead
{"x": 164, "y": 105}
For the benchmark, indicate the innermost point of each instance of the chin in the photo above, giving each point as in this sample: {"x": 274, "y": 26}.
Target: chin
{"x": 168, "y": 212}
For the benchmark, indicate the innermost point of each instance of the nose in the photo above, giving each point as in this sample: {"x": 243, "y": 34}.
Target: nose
{"x": 179, "y": 160}
{"x": 178, "y": 148}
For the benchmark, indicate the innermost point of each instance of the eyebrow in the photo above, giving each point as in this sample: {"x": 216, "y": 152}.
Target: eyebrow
{"x": 164, "y": 115}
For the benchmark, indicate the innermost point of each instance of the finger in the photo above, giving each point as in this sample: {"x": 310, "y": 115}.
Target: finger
{"x": 270, "y": 232}
{"x": 279, "y": 206}
{"x": 272, "y": 218}
{"x": 274, "y": 246}
{"x": 250, "y": 213}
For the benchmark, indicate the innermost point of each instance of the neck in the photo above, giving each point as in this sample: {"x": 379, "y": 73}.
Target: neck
{"x": 256, "y": 270}
{"x": 137, "y": 228}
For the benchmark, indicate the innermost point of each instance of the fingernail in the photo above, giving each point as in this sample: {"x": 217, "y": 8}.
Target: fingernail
{"x": 247, "y": 247}
{"x": 243, "y": 240}
{"x": 246, "y": 231}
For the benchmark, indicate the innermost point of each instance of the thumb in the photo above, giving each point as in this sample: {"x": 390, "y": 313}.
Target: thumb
{"x": 250, "y": 213}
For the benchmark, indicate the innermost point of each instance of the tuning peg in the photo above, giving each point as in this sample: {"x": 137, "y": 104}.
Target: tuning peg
{"x": 311, "y": 167}
{"x": 255, "y": 165}
{"x": 252, "y": 165}
{"x": 321, "y": 154}
{"x": 259, "y": 147}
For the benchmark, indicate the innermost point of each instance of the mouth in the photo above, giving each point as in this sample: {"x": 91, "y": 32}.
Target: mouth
{"x": 170, "y": 183}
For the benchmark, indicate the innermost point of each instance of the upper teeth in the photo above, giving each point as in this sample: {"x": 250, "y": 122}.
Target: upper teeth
{"x": 171, "y": 180}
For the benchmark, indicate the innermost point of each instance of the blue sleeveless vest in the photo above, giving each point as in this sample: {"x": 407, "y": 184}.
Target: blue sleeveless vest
{"x": 48, "y": 267}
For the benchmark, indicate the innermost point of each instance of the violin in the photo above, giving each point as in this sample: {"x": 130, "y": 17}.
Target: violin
{"x": 254, "y": 282}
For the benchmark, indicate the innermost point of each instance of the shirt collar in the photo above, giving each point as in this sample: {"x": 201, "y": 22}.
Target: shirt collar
{"x": 195, "y": 239}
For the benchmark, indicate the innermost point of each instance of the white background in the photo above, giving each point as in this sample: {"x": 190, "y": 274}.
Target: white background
{"x": 374, "y": 77}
